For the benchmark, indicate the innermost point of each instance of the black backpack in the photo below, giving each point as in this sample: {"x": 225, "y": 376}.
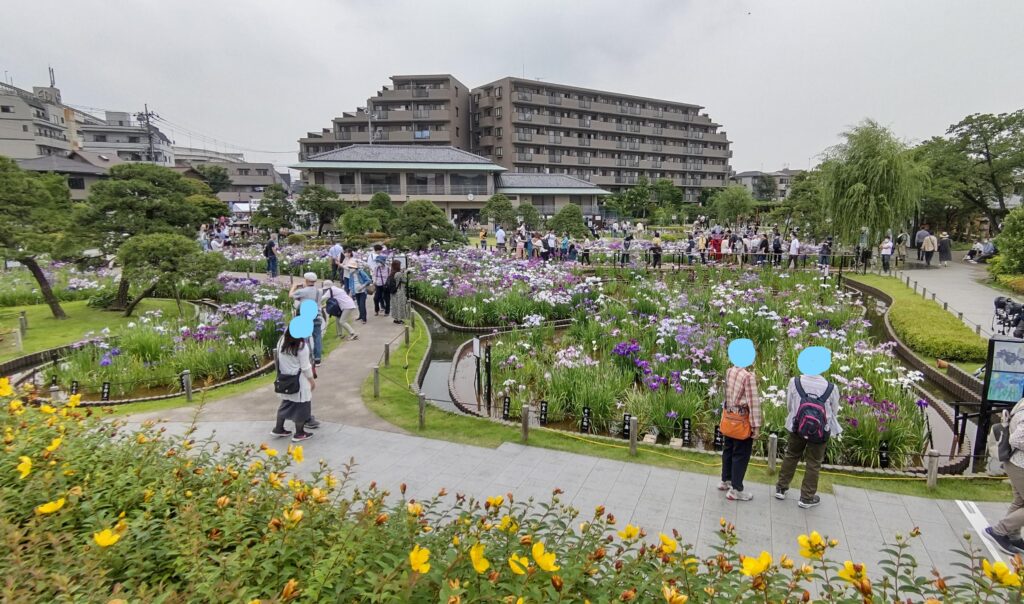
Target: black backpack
{"x": 268, "y": 250}
{"x": 391, "y": 285}
{"x": 811, "y": 421}
{"x": 332, "y": 306}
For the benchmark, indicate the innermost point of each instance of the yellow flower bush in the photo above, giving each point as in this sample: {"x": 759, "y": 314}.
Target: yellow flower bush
{"x": 545, "y": 560}
{"x": 1001, "y": 573}
{"x": 811, "y": 546}
{"x": 629, "y": 533}
{"x": 753, "y": 567}
{"x": 519, "y": 564}
{"x": 106, "y": 538}
{"x": 419, "y": 560}
{"x": 480, "y": 563}
{"x": 50, "y": 507}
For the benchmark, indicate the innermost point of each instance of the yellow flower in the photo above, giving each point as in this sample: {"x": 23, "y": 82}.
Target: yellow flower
{"x": 455, "y": 541}
{"x": 47, "y": 409}
{"x": 271, "y": 452}
{"x": 296, "y": 452}
{"x": 74, "y": 400}
{"x": 476, "y": 554}
{"x": 508, "y": 525}
{"x": 519, "y": 564}
{"x": 785, "y": 561}
{"x": 5, "y": 387}
{"x": 672, "y": 596}
{"x": 15, "y": 406}
{"x": 753, "y": 567}
{"x": 545, "y": 560}
{"x": 331, "y": 481}
{"x": 496, "y": 501}
{"x": 419, "y": 560}
{"x": 24, "y": 466}
{"x": 853, "y": 573}
{"x": 812, "y": 546}
{"x": 293, "y": 516}
{"x": 414, "y": 509}
{"x": 54, "y": 444}
{"x": 629, "y": 533}
{"x": 668, "y": 544}
{"x": 105, "y": 538}
{"x": 50, "y": 507}
{"x": 1001, "y": 573}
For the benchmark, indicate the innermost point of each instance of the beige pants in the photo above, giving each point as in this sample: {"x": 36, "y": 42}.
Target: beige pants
{"x": 1014, "y": 520}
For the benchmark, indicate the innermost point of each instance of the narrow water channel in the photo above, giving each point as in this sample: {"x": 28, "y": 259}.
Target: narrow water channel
{"x": 443, "y": 344}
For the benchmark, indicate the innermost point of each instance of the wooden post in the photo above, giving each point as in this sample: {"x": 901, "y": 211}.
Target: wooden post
{"x": 915, "y": 287}
{"x": 977, "y": 329}
{"x": 960, "y": 316}
{"x": 908, "y": 281}
{"x": 773, "y": 452}
{"x": 22, "y": 322}
{"x": 933, "y": 468}
{"x": 423, "y": 411}
{"x": 186, "y": 378}
{"x": 406, "y": 335}
{"x": 387, "y": 355}
{"x": 933, "y": 296}
{"x": 924, "y": 292}
{"x": 945, "y": 306}
{"x": 526, "y": 422}
{"x": 376, "y": 381}
{"x": 632, "y": 436}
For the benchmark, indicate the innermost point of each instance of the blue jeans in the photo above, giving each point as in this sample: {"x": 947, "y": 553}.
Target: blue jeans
{"x": 361, "y": 304}
{"x": 272, "y": 266}
{"x": 318, "y": 339}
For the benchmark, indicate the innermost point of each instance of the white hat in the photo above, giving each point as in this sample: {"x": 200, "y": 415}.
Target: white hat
{"x": 310, "y": 276}
{"x": 328, "y": 283}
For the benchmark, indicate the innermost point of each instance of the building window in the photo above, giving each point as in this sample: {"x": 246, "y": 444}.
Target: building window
{"x": 100, "y": 138}
{"x": 76, "y": 182}
{"x": 133, "y": 139}
{"x": 24, "y": 128}
{"x": 456, "y": 109}
{"x": 243, "y": 171}
{"x": 6, "y": 108}
{"x": 497, "y": 132}
{"x": 261, "y": 171}
{"x": 497, "y": 92}
{"x": 497, "y": 112}
{"x": 456, "y": 132}
{"x": 497, "y": 152}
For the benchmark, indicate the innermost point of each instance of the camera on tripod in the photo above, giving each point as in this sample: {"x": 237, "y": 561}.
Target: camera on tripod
{"x": 1008, "y": 316}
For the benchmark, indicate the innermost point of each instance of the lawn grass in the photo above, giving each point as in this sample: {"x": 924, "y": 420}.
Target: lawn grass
{"x": 398, "y": 405}
{"x": 924, "y": 326}
{"x": 46, "y": 332}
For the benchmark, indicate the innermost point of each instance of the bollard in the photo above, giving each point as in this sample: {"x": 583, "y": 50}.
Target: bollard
{"x": 933, "y": 296}
{"x": 387, "y": 355}
{"x": 406, "y": 335}
{"x": 186, "y": 379}
{"x": 908, "y": 281}
{"x": 960, "y": 316}
{"x": 22, "y": 322}
{"x": 977, "y": 329}
{"x": 526, "y": 422}
{"x": 945, "y": 306}
{"x": 773, "y": 452}
{"x": 423, "y": 411}
{"x": 632, "y": 436}
{"x": 924, "y": 292}
{"x": 915, "y": 287}
{"x": 376, "y": 381}
{"x": 933, "y": 468}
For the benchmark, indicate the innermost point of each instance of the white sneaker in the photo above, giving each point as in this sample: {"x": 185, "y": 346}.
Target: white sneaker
{"x": 725, "y": 485}
{"x": 734, "y": 495}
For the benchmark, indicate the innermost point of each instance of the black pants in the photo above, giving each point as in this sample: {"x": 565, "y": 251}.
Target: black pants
{"x": 928, "y": 258}
{"x": 299, "y": 413}
{"x": 885, "y": 262}
{"x": 585, "y": 257}
{"x": 735, "y": 457}
{"x": 656, "y": 260}
{"x": 381, "y": 300}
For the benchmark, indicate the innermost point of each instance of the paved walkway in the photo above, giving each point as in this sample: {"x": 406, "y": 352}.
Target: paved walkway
{"x": 961, "y": 284}
{"x": 656, "y": 499}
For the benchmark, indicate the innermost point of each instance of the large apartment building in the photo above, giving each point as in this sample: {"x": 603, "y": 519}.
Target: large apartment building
{"x": 414, "y": 109}
{"x": 34, "y": 124}
{"x": 607, "y": 138}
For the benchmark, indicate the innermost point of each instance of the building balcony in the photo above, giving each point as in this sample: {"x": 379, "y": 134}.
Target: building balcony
{"x": 468, "y": 189}
{"x": 390, "y": 189}
{"x": 554, "y": 99}
{"x": 554, "y": 119}
{"x": 522, "y": 117}
{"x": 712, "y": 182}
{"x": 408, "y": 94}
{"x": 425, "y": 190}
{"x": 524, "y": 156}
{"x": 554, "y": 159}
{"x": 486, "y": 141}
{"x": 717, "y": 152}
{"x": 554, "y": 140}
{"x": 524, "y": 136}
{"x": 343, "y": 189}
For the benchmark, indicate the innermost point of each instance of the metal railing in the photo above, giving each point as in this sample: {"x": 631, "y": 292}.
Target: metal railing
{"x": 524, "y": 136}
{"x": 524, "y": 96}
{"x": 554, "y": 100}
{"x": 524, "y": 156}
{"x": 425, "y": 190}
{"x": 421, "y": 134}
{"x": 420, "y": 92}
{"x": 467, "y": 189}
{"x": 554, "y": 119}
{"x": 555, "y": 140}
{"x": 583, "y": 159}
{"x": 421, "y": 114}
{"x": 555, "y": 159}
{"x": 524, "y": 117}
{"x": 584, "y": 123}
{"x": 584, "y": 141}
{"x": 391, "y": 189}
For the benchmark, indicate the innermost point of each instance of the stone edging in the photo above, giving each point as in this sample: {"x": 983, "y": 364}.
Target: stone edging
{"x": 483, "y": 329}
{"x": 421, "y": 372}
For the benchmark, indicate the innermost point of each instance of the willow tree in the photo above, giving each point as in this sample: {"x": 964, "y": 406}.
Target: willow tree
{"x": 871, "y": 180}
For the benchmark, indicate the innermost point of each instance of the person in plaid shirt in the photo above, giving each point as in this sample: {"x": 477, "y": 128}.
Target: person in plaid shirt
{"x": 740, "y": 396}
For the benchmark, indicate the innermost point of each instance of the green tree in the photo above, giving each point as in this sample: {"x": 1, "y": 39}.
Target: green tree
{"x": 322, "y": 203}
{"x": 668, "y": 196}
{"x": 732, "y": 203}
{"x": 871, "y": 180}
{"x": 951, "y": 198}
{"x": 421, "y": 223}
{"x": 359, "y": 222}
{"x": 639, "y": 200}
{"x": 529, "y": 215}
{"x": 765, "y": 188}
{"x": 166, "y": 260}
{"x": 383, "y": 209}
{"x": 804, "y": 206}
{"x": 569, "y": 220}
{"x": 275, "y": 210}
{"x": 1010, "y": 243}
{"x": 139, "y": 199}
{"x": 499, "y": 210}
{"x": 215, "y": 176}
{"x": 35, "y": 220}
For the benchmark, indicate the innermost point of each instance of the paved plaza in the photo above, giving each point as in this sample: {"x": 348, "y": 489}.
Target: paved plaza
{"x": 961, "y": 284}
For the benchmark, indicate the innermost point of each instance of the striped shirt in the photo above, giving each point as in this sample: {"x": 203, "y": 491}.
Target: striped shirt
{"x": 741, "y": 392}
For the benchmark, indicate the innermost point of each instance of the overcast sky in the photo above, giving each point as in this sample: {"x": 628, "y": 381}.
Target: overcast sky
{"x": 784, "y": 77}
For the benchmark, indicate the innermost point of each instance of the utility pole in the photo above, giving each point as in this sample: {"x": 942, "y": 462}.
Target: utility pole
{"x": 146, "y": 117}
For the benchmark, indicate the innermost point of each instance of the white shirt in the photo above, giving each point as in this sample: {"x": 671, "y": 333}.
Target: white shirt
{"x": 814, "y": 385}
{"x": 345, "y": 301}
{"x": 552, "y": 241}
{"x": 499, "y": 236}
{"x": 336, "y": 251}
{"x": 886, "y": 248}
{"x": 794, "y": 247}
{"x": 298, "y": 364}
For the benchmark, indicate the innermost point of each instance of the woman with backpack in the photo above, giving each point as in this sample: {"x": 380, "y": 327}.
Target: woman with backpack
{"x": 357, "y": 280}
{"x": 399, "y": 302}
{"x": 294, "y": 385}
{"x": 1006, "y": 532}
{"x": 338, "y": 304}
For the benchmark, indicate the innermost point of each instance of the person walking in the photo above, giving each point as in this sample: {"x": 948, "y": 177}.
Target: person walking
{"x": 794, "y": 251}
{"x": 399, "y": 302}
{"x": 381, "y": 295}
{"x": 520, "y": 245}
{"x": 885, "y": 251}
{"x": 919, "y": 240}
{"x": 565, "y": 246}
{"x": 741, "y": 412}
{"x": 813, "y": 410}
{"x": 483, "y": 238}
{"x": 356, "y": 282}
{"x": 1006, "y": 532}
{"x": 270, "y": 253}
{"x": 945, "y": 249}
{"x": 342, "y": 309}
{"x": 901, "y": 248}
{"x": 499, "y": 239}
{"x": 293, "y": 360}
{"x": 335, "y": 253}
{"x": 306, "y": 290}
{"x": 928, "y": 246}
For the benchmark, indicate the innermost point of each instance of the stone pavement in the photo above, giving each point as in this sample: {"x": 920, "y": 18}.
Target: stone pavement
{"x": 961, "y": 284}
{"x": 656, "y": 499}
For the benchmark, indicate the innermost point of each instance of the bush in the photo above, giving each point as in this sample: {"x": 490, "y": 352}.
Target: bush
{"x": 925, "y": 327}
{"x": 1013, "y": 282}
{"x": 1010, "y": 242}
{"x": 103, "y": 298}
{"x": 94, "y": 510}
{"x": 295, "y": 239}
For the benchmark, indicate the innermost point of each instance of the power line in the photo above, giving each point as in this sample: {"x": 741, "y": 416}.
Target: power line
{"x": 214, "y": 139}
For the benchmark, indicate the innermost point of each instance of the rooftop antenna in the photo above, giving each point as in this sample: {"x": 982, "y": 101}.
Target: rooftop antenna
{"x": 53, "y": 80}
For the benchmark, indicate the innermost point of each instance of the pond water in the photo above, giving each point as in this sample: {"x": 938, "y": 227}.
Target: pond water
{"x": 443, "y": 345}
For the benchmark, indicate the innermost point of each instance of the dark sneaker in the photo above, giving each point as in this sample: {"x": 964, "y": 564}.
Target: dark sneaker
{"x": 312, "y": 425}
{"x": 282, "y": 433}
{"x": 804, "y": 503}
{"x": 780, "y": 493}
{"x": 1003, "y": 541}
{"x": 301, "y": 436}
{"x": 1017, "y": 542}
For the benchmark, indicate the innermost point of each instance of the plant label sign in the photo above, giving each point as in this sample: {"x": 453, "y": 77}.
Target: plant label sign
{"x": 719, "y": 440}
{"x": 506, "y": 408}
{"x": 53, "y": 380}
{"x": 476, "y": 347}
{"x": 543, "y": 413}
{"x": 883, "y": 454}
{"x": 687, "y": 432}
{"x": 74, "y": 386}
{"x": 105, "y": 391}
{"x": 232, "y": 372}
{"x": 255, "y": 362}
{"x": 625, "y": 425}
{"x": 585, "y": 422}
